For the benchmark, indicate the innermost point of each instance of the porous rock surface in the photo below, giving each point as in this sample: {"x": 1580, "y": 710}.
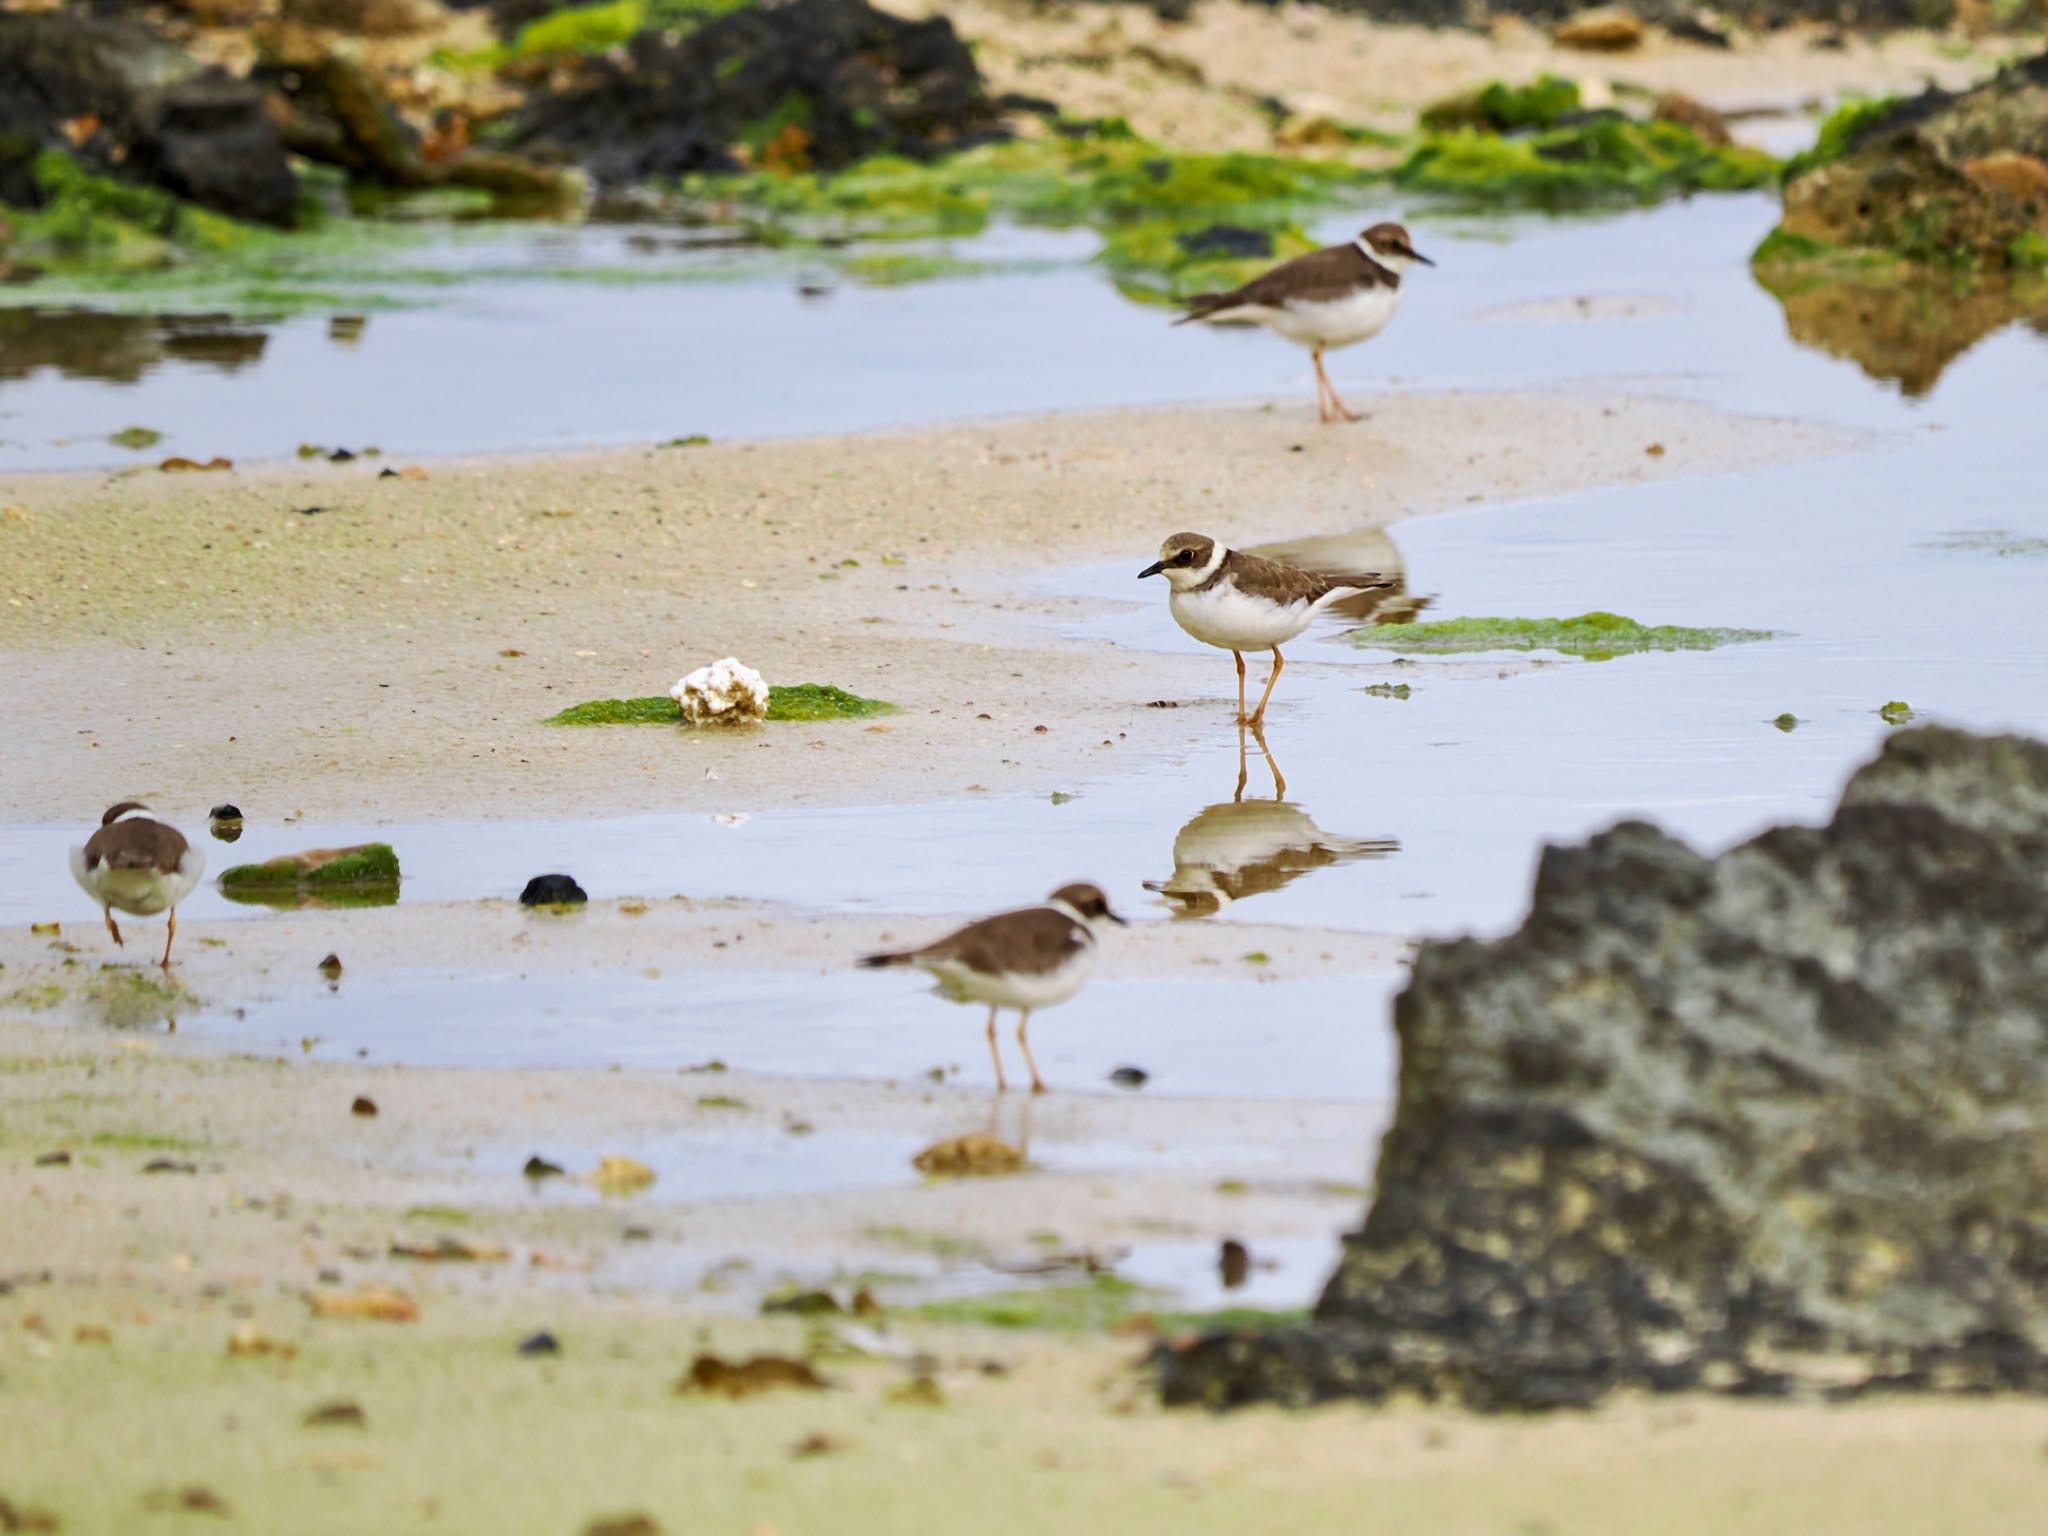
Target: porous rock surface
{"x": 1770, "y": 1122}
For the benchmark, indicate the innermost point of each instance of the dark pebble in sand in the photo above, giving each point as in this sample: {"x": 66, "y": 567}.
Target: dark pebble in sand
{"x": 365, "y": 1107}
{"x": 225, "y": 812}
{"x": 552, "y": 891}
{"x": 168, "y": 1165}
{"x": 542, "y": 1343}
{"x": 54, "y": 1160}
{"x": 331, "y": 967}
{"x": 541, "y": 1168}
{"x": 1130, "y": 1077}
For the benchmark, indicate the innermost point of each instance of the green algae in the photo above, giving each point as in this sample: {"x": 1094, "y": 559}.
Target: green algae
{"x": 1100, "y": 1304}
{"x": 797, "y": 702}
{"x": 1499, "y": 107}
{"x": 1897, "y": 712}
{"x": 1839, "y": 132}
{"x": 1604, "y": 159}
{"x": 1787, "y": 722}
{"x": 94, "y": 223}
{"x": 136, "y": 439}
{"x": 360, "y": 877}
{"x": 1592, "y": 636}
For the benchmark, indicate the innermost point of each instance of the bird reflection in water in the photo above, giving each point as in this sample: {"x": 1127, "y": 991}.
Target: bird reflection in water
{"x": 1245, "y": 847}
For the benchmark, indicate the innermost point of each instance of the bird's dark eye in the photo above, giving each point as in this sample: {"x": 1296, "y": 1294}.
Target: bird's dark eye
{"x": 1185, "y": 557}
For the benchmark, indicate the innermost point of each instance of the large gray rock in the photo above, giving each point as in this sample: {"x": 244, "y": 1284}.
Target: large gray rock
{"x": 1772, "y": 1121}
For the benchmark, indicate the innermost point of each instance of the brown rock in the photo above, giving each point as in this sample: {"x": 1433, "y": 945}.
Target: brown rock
{"x": 369, "y": 18}
{"x": 711, "y": 1376}
{"x": 1601, "y": 32}
{"x": 968, "y": 1155}
{"x": 2016, "y": 175}
{"x": 1687, "y": 112}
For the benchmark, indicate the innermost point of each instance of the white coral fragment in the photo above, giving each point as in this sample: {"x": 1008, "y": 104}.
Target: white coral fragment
{"x": 723, "y": 693}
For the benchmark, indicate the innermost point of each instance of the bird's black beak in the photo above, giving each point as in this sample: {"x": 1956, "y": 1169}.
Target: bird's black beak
{"x": 1415, "y": 255}
{"x": 1151, "y": 570}
{"x": 1114, "y": 918}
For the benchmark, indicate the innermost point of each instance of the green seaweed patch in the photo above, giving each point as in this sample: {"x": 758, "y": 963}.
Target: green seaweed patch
{"x": 1094, "y": 1307}
{"x": 1787, "y": 722}
{"x": 366, "y": 876}
{"x": 1499, "y": 107}
{"x": 143, "y": 1141}
{"x": 1897, "y": 712}
{"x": 1603, "y": 159}
{"x": 1839, "y": 133}
{"x": 136, "y": 439}
{"x": 1592, "y": 636}
{"x": 798, "y": 701}
{"x": 1786, "y": 263}
{"x": 94, "y": 223}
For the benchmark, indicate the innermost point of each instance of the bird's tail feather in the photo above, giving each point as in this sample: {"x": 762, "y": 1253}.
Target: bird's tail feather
{"x": 1202, "y": 305}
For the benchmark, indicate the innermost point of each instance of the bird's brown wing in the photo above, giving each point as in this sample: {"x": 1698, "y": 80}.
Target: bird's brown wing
{"x": 1319, "y": 277}
{"x": 1031, "y": 943}
{"x": 1290, "y": 583}
{"x": 137, "y": 844}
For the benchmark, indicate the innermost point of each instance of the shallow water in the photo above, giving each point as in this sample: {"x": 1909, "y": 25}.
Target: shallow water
{"x": 1910, "y": 570}
{"x": 642, "y": 336}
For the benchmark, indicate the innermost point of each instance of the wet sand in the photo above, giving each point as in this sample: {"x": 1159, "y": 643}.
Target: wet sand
{"x": 919, "y": 567}
{"x": 124, "y": 1286}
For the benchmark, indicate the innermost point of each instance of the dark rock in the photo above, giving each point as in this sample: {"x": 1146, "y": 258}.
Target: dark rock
{"x": 58, "y": 1159}
{"x": 168, "y": 1165}
{"x": 365, "y": 1107}
{"x": 127, "y": 104}
{"x": 1236, "y": 241}
{"x": 538, "y": 1167}
{"x": 1233, "y": 1263}
{"x": 796, "y": 82}
{"x": 1130, "y": 1077}
{"x": 1941, "y": 174}
{"x": 332, "y": 109}
{"x": 542, "y": 1343}
{"x": 1763, "y": 1123}
{"x": 552, "y": 891}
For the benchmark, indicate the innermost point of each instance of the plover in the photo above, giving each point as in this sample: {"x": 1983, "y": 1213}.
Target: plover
{"x": 1239, "y": 602}
{"x": 1335, "y": 297}
{"x": 1027, "y": 960}
{"x": 136, "y": 863}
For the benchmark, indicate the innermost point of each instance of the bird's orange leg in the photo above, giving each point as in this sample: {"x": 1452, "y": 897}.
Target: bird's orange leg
{"x": 1322, "y": 385}
{"x": 1037, "y": 1082}
{"x": 165, "y": 963}
{"x": 1259, "y": 714}
{"x": 995, "y": 1055}
{"x": 1340, "y": 411}
{"x": 108, "y": 914}
{"x": 1238, "y": 657}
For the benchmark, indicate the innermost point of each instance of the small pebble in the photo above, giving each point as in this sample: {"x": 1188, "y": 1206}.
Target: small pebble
{"x": 363, "y": 1106}
{"x": 552, "y": 891}
{"x": 542, "y": 1343}
{"x": 1130, "y": 1077}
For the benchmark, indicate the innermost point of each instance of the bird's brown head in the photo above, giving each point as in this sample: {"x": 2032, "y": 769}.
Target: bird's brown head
{"x": 1184, "y": 559}
{"x": 125, "y": 808}
{"x": 1087, "y": 902}
{"x": 1390, "y": 245}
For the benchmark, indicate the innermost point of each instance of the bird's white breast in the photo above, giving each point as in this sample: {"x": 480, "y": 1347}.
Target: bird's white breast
{"x": 1358, "y": 316}
{"x": 1015, "y": 989}
{"x": 1221, "y": 615}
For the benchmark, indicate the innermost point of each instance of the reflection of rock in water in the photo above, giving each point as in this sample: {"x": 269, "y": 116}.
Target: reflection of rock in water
{"x": 1351, "y": 554}
{"x": 119, "y": 349}
{"x": 1242, "y": 848}
{"x": 1763, "y": 1123}
{"x": 1909, "y": 331}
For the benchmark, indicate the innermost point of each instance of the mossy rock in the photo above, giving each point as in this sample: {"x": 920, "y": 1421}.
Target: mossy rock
{"x": 1605, "y": 158}
{"x": 797, "y": 702}
{"x": 365, "y": 875}
{"x": 1593, "y": 636}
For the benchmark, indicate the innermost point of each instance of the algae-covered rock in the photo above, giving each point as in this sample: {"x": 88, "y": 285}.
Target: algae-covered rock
{"x": 793, "y": 82}
{"x": 1942, "y": 178}
{"x": 1535, "y": 145}
{"x": 130, "y": 106}
{"x": 364, "y": 875}
{"x": 1595, "y": 636}
{"x": 1760, "y": 1123}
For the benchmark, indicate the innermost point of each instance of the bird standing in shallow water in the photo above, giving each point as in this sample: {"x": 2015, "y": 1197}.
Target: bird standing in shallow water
{"x": 1335, "y": 297}
{"x": 1239, "y": 602}
{"x": 138, "y": 864}
{"x": 1029, "y": 959}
